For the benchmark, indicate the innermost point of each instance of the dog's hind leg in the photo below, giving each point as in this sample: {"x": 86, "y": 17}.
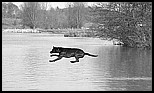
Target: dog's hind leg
{"x": 77, "y": 60}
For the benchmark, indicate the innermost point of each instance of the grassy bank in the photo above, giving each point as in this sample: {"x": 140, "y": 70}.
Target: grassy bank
{"x": 66, "y": 32}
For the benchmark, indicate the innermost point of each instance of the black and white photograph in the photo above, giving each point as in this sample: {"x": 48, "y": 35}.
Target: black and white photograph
{"x": 76, "y": 46}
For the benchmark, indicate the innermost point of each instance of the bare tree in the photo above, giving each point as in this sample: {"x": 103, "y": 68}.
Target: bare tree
{"x": 30, "y": 13}
{"x": 79, "y": 12}
{"x": 44, "y": 6}
{"x": 75, "y": 14}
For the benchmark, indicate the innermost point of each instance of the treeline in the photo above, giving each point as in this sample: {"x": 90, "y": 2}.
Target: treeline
{"x": 36, "y": 15}
{"x": 129, "y": 22}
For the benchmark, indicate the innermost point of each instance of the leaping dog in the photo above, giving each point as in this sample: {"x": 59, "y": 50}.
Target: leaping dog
{"x": 68, "y": 53}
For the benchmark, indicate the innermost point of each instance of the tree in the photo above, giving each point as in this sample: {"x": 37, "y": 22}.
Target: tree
{"x": 76, "y": 14}
{"x": 4, "y": 10}
{"x": 79, "y": 8}
{"x": 43, "y": 12}
{"x": 61, "y": 18}
{"x": 52, "y": 18}
{"x": 30, "y": 14}
{"x": 129, "y": 22}
{"x": 10, "y": 10}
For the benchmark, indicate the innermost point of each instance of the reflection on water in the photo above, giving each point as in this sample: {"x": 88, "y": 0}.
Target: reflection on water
{"x": 127, "y": 69}
{"x": 25, "y": 65}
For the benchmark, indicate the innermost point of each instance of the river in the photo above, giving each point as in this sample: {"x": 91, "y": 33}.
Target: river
{"x": 26, "y": 66}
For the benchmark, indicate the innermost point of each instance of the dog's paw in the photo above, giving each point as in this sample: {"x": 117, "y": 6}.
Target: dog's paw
{"x": 72, "y": 61}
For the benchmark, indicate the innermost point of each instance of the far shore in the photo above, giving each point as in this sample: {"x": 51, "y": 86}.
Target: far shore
{"x": 65, "y": 30}
{"x": 22, "y": 31}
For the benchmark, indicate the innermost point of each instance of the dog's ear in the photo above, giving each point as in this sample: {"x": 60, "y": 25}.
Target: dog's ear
{"x": 53, "y": 46}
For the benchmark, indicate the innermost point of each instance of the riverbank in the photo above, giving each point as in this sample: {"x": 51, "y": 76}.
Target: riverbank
{"x": 21, "y": 30}
{"x": 75, "y": 33}
{"x": 66, "y": 32}
{"x": 57, "y": 37}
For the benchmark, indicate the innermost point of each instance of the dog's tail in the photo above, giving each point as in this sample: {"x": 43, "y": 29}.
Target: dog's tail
{"x": 90, "y": 55}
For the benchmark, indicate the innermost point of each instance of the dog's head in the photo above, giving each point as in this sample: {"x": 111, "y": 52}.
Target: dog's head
{"x": 55, "y": 50}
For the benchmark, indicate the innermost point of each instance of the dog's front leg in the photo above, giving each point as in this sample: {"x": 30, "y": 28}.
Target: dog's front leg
{"x": 53, "y": 55}
{"x": 60, "y": 57}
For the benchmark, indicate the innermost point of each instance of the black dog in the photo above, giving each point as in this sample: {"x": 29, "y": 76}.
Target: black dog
{"x": 69, "y": 52}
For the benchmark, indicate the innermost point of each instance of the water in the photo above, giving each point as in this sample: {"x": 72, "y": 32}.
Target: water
{"x": 25, "y": 65}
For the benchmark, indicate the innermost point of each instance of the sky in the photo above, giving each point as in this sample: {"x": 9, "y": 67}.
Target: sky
{"x": 53, "y": 4}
